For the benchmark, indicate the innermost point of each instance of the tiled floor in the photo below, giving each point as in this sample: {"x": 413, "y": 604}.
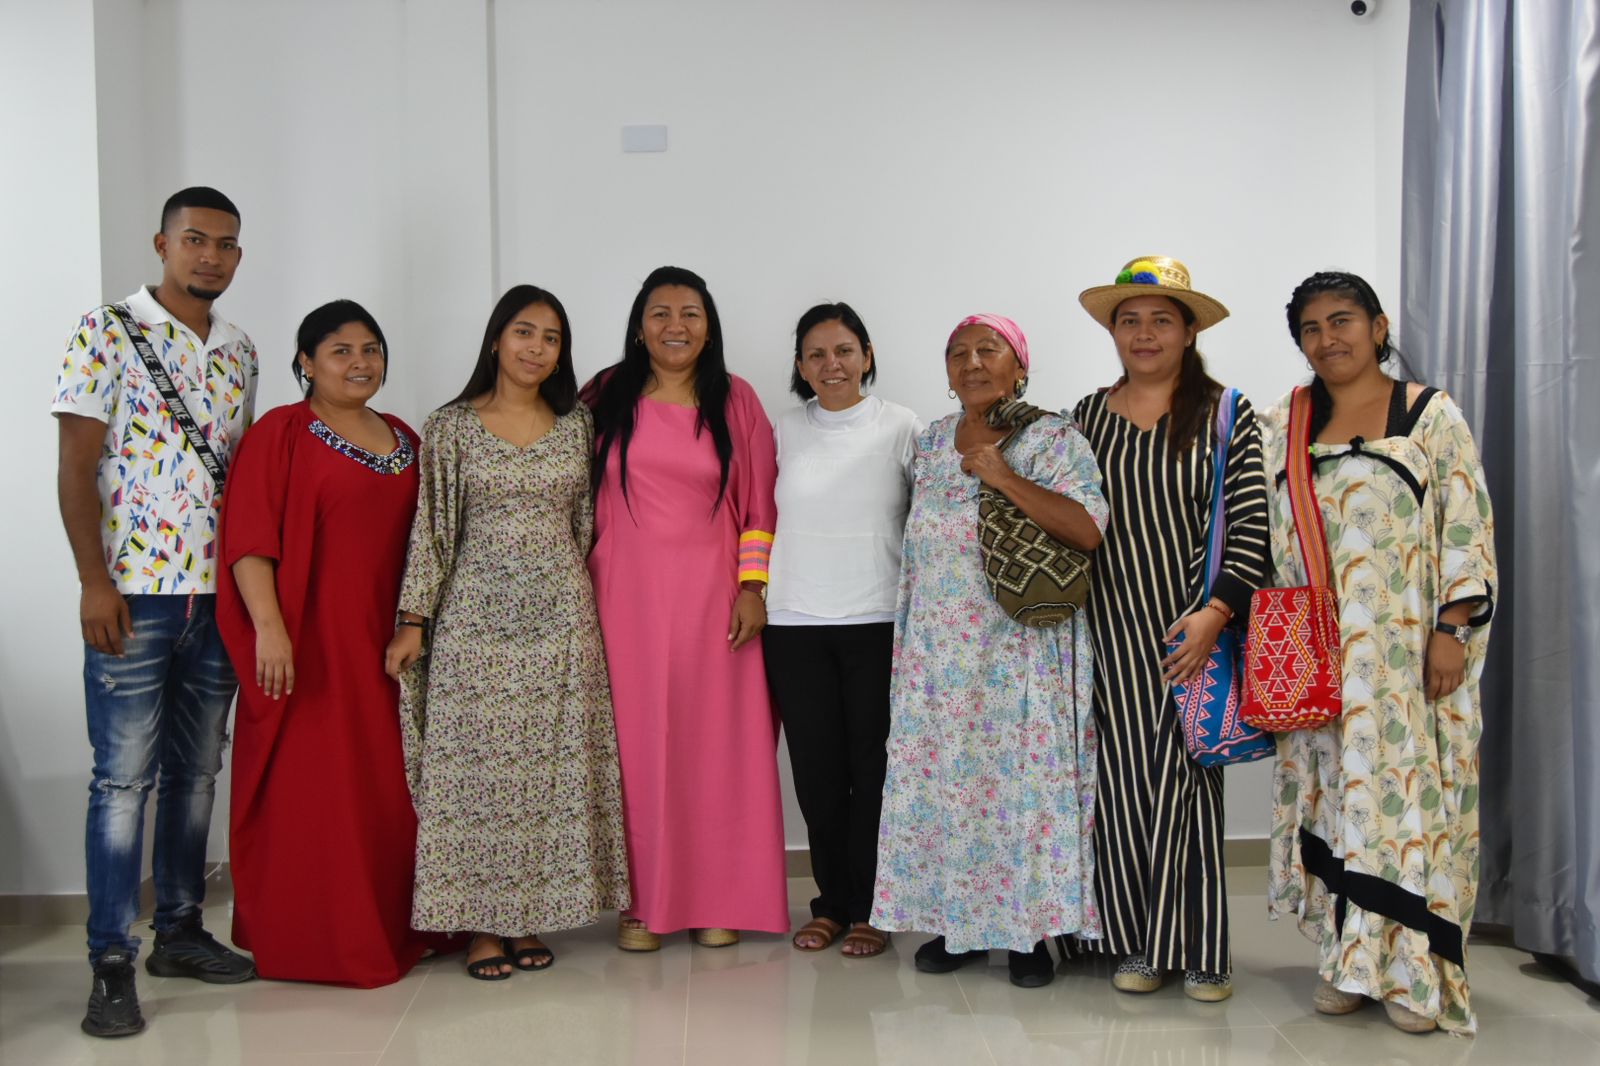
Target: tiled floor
{"x": 762, "y": 1002}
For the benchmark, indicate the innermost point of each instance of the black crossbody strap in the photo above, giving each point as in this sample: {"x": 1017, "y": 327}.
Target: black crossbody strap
{"x": 169, "y": 394}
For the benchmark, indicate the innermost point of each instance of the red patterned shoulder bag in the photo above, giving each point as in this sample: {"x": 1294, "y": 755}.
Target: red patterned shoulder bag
{"x": 1293, "y": 664}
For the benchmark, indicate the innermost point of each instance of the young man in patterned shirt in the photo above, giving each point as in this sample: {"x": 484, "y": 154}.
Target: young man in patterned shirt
{"x": 140, "y": 506}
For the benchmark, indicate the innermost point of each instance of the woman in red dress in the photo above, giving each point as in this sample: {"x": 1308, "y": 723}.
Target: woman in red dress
{"x": 313, "y": 541}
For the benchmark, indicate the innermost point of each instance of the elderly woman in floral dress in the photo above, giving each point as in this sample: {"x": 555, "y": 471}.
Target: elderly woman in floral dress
{"x": 987, "y": 805}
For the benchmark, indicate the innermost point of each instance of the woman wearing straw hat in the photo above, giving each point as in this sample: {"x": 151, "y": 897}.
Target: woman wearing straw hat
{"x": 1158, "y": 819}
{"x": 987, "y": 802}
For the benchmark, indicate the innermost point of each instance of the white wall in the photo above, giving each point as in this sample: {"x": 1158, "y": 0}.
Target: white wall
{"x": 925, "y": 161}
{"x": 49, "y": 275}
{"x": 919, "y": 160}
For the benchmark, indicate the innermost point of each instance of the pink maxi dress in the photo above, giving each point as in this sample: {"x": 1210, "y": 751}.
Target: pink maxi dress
{"x": 696, "y": 732}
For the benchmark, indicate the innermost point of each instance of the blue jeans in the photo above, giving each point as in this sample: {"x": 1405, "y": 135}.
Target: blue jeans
{"x": 163, "y": 704}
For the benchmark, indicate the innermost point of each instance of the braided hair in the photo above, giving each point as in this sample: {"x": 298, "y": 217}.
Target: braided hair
{"x": 1352, "y": 287}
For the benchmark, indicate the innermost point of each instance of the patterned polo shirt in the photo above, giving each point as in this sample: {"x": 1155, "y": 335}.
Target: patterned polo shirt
{"x": 158, "y": 506}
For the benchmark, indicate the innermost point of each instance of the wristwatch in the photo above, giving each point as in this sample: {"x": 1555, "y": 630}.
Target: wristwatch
{"x": 1462, "y": 633}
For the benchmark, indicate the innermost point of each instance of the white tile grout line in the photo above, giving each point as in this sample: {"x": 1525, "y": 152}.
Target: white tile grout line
{"x": 973, "y": 1014}
{"x": 402, "y": 1019}
{"x": 1114, "y": 1028}
{"x": 688, "y": 988}
{"x": 1292, "y": 1045}
{"x": 1563, "y": 1020}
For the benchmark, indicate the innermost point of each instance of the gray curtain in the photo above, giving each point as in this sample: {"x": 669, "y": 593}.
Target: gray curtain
{"x": 1501, "y": 307}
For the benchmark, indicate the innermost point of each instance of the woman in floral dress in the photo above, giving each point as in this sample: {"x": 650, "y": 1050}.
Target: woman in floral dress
{"x": 511, "y": 747}
{"x": 986, "y": 836}
{"x": 1375, "y": 828}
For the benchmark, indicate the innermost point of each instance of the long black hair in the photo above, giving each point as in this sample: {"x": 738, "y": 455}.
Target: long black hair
{"x": 320, "y": 324}
{"x": 614, "y": 392}
{"x": 1194, "y": 395}
{"x": 560, "y": 389}
{"x": 844, "y": 314}
{"x": 1352, "y": 287}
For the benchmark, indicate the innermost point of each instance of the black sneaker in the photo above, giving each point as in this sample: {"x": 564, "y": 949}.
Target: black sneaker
{"x": 1031, "y": 969}
{"x": 113, "y": 1002}
{"x": 190, "y": 951}
{"x": 933, "y": 958}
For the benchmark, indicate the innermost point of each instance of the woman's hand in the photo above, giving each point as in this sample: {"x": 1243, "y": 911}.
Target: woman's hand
{"x": 1445, "y": 665}
{"x": 988, "y": 465}
{"x": 404, "y": 649}
{"x": 274, "y": 661}
{"x": 1199, "y": 630}
{"x": 749, "y": 619}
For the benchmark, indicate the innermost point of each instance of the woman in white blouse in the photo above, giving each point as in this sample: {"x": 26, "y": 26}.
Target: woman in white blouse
{"x": 844, "y": 467}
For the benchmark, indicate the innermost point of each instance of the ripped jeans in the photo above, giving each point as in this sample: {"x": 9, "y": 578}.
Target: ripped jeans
{"x": 163, "y": 705}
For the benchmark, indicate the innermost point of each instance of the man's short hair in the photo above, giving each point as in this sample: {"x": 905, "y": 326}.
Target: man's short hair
{"x": 196, "y": 196}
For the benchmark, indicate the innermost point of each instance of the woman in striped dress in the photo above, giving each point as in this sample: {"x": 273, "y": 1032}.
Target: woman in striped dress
{"x": 1158, "y": 815}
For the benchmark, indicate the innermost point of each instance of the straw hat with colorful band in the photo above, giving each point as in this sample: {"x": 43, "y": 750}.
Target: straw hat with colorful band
{"x": 1151, "y": 275}
{"x": 1001, "y": 325}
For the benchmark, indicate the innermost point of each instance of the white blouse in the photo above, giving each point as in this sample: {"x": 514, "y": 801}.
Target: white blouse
{"x": 844, "y": 487}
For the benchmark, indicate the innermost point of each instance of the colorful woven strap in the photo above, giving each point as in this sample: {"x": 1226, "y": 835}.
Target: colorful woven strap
{"x": 1303, "y": 494}
{"x": 755, "y": 552}
{"x": 1218, "y": 534}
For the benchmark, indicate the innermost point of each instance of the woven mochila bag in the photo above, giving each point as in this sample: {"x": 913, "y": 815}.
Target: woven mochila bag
{"x": 1208, "y": 703}
{"x": 1035, "y": 579}
{"x": 1294, "y": 665}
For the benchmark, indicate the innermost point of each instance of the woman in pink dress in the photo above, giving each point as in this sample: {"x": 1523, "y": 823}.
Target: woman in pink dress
{"x": 683, "y": 472}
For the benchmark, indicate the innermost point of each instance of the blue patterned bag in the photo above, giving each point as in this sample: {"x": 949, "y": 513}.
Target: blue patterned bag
{"x": 1208, "y": 703}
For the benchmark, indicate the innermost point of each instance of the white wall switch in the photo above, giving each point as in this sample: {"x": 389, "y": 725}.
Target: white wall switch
{"x": 644, "y": 138}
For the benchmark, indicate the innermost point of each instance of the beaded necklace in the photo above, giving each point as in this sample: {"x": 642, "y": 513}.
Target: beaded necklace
{"x": 394, "y": 463}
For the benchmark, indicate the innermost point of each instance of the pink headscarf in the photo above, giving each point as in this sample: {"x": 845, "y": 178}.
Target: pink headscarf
{"x": 1001, "y": 325}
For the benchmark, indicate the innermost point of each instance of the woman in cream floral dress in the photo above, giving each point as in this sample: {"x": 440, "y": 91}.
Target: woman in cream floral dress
{"x": 1375, "y": 829}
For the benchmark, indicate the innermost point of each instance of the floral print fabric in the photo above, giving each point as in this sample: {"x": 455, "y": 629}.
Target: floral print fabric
{"x": 1375, "y": 831}
{"x": 510, "y": 743}
{"x": 988, "y": 805}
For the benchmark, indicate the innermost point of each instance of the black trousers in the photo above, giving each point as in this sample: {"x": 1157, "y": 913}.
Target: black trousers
{"x": 831, "y": 684}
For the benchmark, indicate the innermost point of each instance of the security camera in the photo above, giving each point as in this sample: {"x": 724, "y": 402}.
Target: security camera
{"x": 1363, "y": 8}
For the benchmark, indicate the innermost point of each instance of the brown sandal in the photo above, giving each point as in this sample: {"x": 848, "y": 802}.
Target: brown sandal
{"x": 862, "y": 933}
{"x": 825, "y": 928}
{"x": 632, "y": 935}
{"x": 716, "y": 938}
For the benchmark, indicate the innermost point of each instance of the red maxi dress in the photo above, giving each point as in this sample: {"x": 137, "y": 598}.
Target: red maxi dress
{"x": 322, "y": 835}
{"x": 696, "y": 733}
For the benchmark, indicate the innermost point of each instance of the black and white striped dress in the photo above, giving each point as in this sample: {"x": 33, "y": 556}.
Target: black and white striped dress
{"x": 1158, "y": 815}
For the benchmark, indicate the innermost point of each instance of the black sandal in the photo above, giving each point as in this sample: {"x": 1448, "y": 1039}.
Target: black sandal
{"x": 489, "y": 969}
{"x": 527, "y": 959}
